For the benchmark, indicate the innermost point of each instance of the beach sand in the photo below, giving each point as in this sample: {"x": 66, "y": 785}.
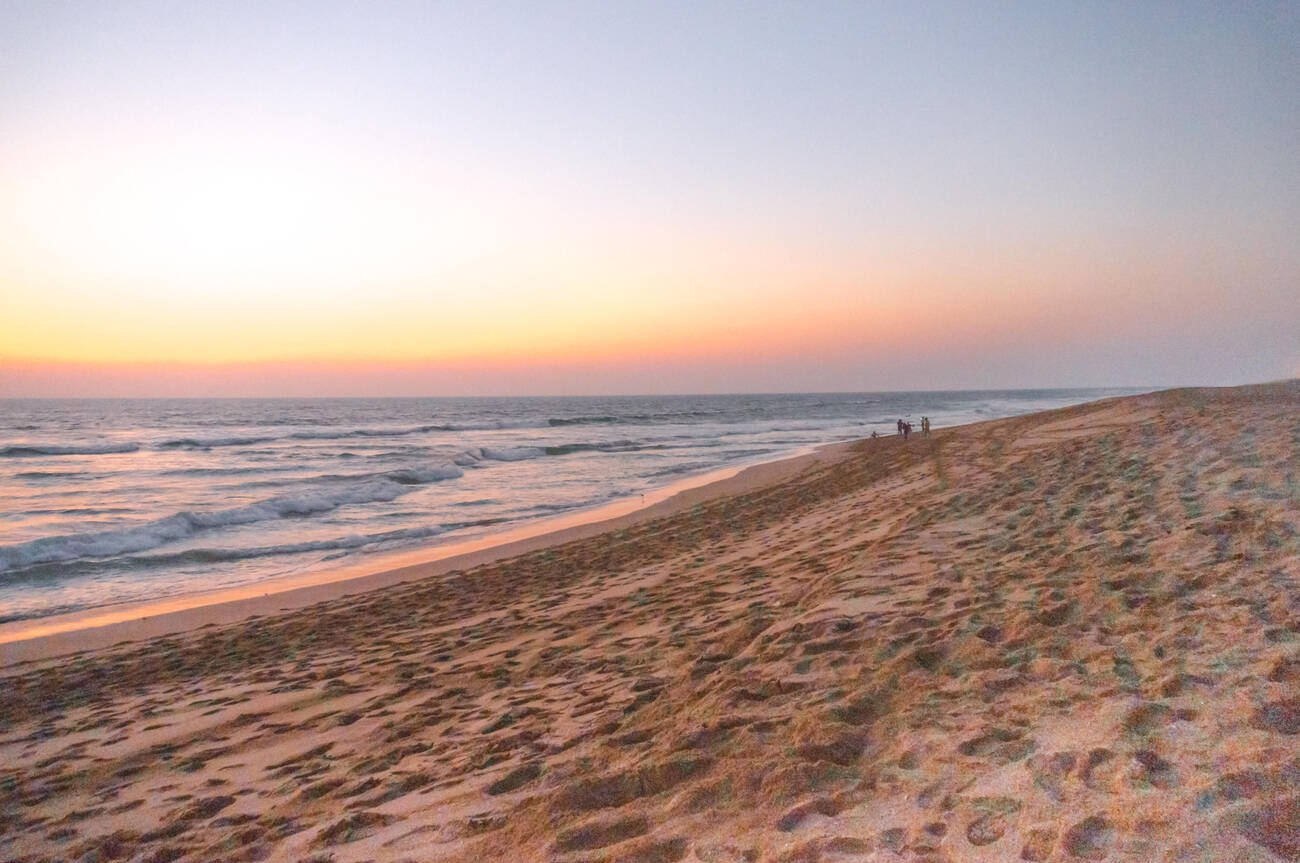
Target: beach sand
{"x": 1071, "y": 635}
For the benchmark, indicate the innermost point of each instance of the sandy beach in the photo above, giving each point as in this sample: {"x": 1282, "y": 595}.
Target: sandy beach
{"x": 1070, "y": 635}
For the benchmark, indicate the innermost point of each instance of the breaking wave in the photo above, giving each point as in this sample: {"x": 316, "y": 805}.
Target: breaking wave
{"x": 183, "y": 525}
{"x": 210, "y": 443}
{"x": 36, "y": 450}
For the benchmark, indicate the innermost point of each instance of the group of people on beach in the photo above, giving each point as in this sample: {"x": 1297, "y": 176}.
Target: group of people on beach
{"x": 905, "y": 429}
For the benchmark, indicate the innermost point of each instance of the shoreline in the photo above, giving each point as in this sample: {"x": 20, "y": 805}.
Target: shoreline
{"x": 43, "y": 638}
{"x": 287, "y": 557}
{"x": 1067, "y": 635}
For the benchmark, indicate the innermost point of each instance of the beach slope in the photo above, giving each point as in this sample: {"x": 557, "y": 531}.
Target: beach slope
{"x": 1071, "y": 635}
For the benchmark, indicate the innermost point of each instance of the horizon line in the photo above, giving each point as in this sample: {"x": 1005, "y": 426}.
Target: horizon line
{"x": 538, "y": 396}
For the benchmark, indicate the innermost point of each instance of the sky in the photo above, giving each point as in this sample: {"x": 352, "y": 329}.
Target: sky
{"x": 461, "y": 198}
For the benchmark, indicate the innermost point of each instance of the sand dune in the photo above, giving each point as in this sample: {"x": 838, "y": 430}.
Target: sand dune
{"x": 1065, "y": 636}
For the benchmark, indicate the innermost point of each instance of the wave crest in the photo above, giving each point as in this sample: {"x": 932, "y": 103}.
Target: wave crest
{"x": 210, "y": 443}
{"x": 182, "y": 525}
{"x": 37, "y": 450}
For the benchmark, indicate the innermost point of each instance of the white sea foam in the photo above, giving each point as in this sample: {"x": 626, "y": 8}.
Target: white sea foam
{"x": 182, "y": 525}
{"x": 349, "y": 542}
{"x": 421, "y": 476}
{"x": 468, "y": 458}
{"x": 476, "y": 455}
{"x": 512, "y": 453}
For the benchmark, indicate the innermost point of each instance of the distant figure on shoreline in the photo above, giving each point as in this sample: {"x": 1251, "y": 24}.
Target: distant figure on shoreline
{"x": 907, "y": 430}
{"x": 925, "y": 426}
{"x": 900, "y": 426}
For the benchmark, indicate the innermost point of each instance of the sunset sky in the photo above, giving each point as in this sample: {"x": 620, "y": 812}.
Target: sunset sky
{"x": 614, "y": 197}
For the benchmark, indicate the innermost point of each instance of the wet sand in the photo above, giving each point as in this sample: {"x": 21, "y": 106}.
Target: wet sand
{"x": 1072, "y": 635}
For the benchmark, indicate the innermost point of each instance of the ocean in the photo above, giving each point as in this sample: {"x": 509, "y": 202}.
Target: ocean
{"x": 107, "y": 501}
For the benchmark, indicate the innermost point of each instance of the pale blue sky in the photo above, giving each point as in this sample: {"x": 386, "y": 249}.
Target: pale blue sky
{"x": 1116, "y": 185}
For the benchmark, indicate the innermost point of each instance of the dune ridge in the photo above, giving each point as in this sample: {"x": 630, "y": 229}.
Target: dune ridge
{"x": 1070, "y": 635}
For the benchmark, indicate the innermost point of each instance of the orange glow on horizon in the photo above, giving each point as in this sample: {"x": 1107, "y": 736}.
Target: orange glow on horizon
{"x": 572, "y": 334}
{"x": 723, "y": 303}
{"x": 554, "y": 294}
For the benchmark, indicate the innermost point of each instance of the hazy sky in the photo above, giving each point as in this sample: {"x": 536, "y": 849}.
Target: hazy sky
{"x": 273, "y": 198}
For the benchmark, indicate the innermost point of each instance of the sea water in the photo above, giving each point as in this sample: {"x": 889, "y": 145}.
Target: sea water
{"x": 111, "y": 501}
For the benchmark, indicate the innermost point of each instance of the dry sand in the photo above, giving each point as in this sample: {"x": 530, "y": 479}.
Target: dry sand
{"x": 1065, "y": 636}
